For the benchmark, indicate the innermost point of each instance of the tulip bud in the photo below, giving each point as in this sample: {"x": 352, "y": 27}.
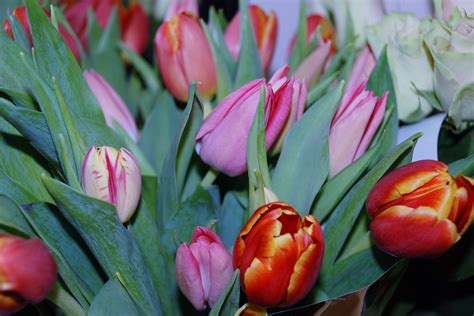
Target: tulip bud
{"x": 279, "y": 255}
{"x": 179, "y": 6}
{"x": 312, "y": 67}
{"x": 265, "y": 30}
{"x": 27, "y": 272}
{"x": 419, "y": 210}
{"x": 222, "y": 139}
{"x": 22, "y": 16}
{"x": 314, "y": 21}
{"x": 113, "y": 176}
{"x": 203, "y": 268}
{"x": 362, "y": 69}
{"x": 134, "y": 28}
{"x": 112, "y": 106}
{"x": 354, "y": 125}
{"x": 184, "y": 55}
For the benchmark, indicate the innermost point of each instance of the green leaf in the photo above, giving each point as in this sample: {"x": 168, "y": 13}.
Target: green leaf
{"x": 12, "y": 217}
{"x": 454, "y": 146}
{"x": 75, "y": 265}
{"x": 320, "y": 89}
{"x": 249, "y": 66}
{"x": 19, "y": 33}
{"x": 230, "y": 219}
{"x": 62, "y": 299}
{"x": 342, "y": 219}
{"x": 16, "y": 191}
{"x": 463, "y": 166}
{"x": 228, "y": 302}
{"x": 298, "y": 52}
{"x": 303, "y": 165}
{"x": 338, "y": 60}
{"x": 113, "y": 299}
{"x": 111, "y": 243}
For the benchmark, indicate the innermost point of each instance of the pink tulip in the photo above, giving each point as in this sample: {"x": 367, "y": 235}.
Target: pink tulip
{"x": 179, "y": 6}
{"x": 222, "y": 139}
{"x": 113, "y": 176}
{"x": 27, "y": 272}
{"x": 184, "y": 55}
{"x": 353, "y": 126}
{"x": 113, "y": 107}
{"x": 313, "y": 66}
{"x": 298, "y": 103}
{"x": 203, "y": 268}
{"x": 362, "y": 69}
{"x": 265, "y": 30}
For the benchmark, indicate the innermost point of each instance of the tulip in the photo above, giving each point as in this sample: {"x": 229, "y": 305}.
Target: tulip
{"x": 222, "y": 138}
{"x": 279, "y": 255}
{"x": 419, "y": 210}
{"x": 312, "y": 67}
{"x": 314, "y": 21}
{"x": 184, "y": 55}
{"x": 22, "y": 16}
{"x": 113, "y": 176}
{"x": 134, "y": 23}
{"x": 113, "y": 107}
{"x": 362, "y": 69}
{"x": 179, "y": 6}
{"x": 27, "y": 272}
{"x": 265, "y": 30}
{"x": 203, "y": 268}
{"x": 353, "y": 126}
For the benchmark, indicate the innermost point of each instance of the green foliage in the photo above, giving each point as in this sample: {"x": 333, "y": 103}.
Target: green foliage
{"x": 113, "y": 299}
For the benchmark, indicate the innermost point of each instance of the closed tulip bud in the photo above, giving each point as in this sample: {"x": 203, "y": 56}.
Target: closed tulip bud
{"x": 134, "y": 28}
{"x": 279, "y": 255}
{"x": 112, "y": 106}
{"x": 184, "y": 55}
{"x": 203, "y": 268}
{"x": 22, "y": 16}
{"x": 362, "y": 69}
{"x": 27, "y": 272}
{"x": 312, "y": 67}
{"x": 419, "y": 210}
{"x": 314, "y": 21}
{"x": 354, "y": 125}
{"x": 179, "y": 6}
{"x": 222, "y": 139}
{"x": 113, "y": 176}
{"x": 265, "y": 30}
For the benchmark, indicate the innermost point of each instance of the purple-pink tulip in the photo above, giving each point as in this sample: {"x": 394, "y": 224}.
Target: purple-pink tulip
{"x": 312, "y": 67}
{"x": 113, "y": 176}
{"x": 113, "y": 107}
{"x": 184, "y": 55}
{"x": 179, "y": 6}
{"x": 222, "y": 139}
{"x": 203, "y": 268}
{"x": 362, "y": 69}
{"x": 354, "y": 125}
{"x": 27, "y": 272}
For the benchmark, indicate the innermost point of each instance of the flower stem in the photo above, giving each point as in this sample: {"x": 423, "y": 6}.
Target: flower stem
{"x": 209, "y": 178}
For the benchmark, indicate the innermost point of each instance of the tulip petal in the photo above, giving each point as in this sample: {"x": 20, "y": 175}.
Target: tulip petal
{"x": 463, "y": 207}
{"x": 312, "y": 67}
{"x": 96, "y": 175}
{"x": 128, "y": 184}
{"x": 134, "y": 28}
{"x": 277, "y": 112}
{"x": 220, "y": 272}
{"x": 406, "y": 232}
{"x": 362, "y": 69}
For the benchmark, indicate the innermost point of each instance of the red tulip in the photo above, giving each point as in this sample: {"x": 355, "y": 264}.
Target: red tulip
{"x": 184, "y": 55}
{"x": 222, "y": 139}
{"x": 419, "y": 210}
{"x": 27, "y": 272}
{"x": 22, "y": 16}
{"x": 203, "y": 268}
{"x": 279, "y": 255}
{"x": 265, "y": 30}
{"x": 313, "y": 21}
{"x": 354, "y": 125}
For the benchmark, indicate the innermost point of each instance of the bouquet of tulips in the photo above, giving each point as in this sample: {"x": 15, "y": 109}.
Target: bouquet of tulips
{"x": 155, "y": 162}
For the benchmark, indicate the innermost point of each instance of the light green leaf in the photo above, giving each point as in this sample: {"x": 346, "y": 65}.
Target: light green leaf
{"x": 12, "y": 218}
{"x": 113, "y": 299}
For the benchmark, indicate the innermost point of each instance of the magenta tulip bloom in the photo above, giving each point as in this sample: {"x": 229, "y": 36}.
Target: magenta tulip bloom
{"x": 184, "y": 55}
{"x": 113, "y": 107}
{"x": 179, "y": 6}
{"x": 362, "y": 69}
{"x": 203, "y": 268}
{"x": 222, "y": 139}
{"x": 27, "y": 272}
{"x": 113, "y": 176}
{"x": 353, "y": 126}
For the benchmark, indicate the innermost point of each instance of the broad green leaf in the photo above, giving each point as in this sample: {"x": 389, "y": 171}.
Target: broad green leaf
{"x": 75, "y": 265}
{"x": 113, "y": 299}
{"x": 16, "y": 191}
{"x": 19, "y": 33}
{"x": 298, "y": 52}
{"x": 320, "y": 89}
{"x": 249, "y": 66}
{"x": 454, "y": 146}
{"x": 12, "y": 217}
{"x": 230, "y": 219}
{"x": 303, "y": 165}
{"x": 66, "y": 303}
{"x": 112, "y": 244}
{"x": 342, "y": 219}
{"x": 228, "y": 302}
{"x": 463, "y": 166}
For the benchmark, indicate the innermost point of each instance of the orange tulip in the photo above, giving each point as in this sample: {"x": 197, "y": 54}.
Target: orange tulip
{"x": 419, "y": 210}
{"x": 265, "y": 30}
{"x": 279, "y": 255}
{"x": 313, "y": 21}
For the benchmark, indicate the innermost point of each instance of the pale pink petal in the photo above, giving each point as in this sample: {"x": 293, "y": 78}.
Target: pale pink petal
{"x": 188, "y": 277}
{"x": 312, "y": 67}
{"x": 281, "y": 73}
{"x": 348, "y": 99}
{"x": 95, "y": 175}
{"x": 128, "y": 185}
{"x": 232, "y": 36}
{"x": 362, "y": 69}
{"x": 220, "y": 272}
{"x": 205, "y": 232}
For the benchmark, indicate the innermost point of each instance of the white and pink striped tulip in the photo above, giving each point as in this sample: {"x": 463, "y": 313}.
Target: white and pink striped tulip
{"x": 113, "y": 176}
{"x": 354, "y": 125}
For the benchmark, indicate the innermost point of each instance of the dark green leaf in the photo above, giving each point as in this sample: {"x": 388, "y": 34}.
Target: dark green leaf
{"x": 12, "y": 217}
{"x": 113, "y": 299}
{"x": 454, "y": 146}
{"x": 230, "y": 219}
{"x": 464, "y": 166}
